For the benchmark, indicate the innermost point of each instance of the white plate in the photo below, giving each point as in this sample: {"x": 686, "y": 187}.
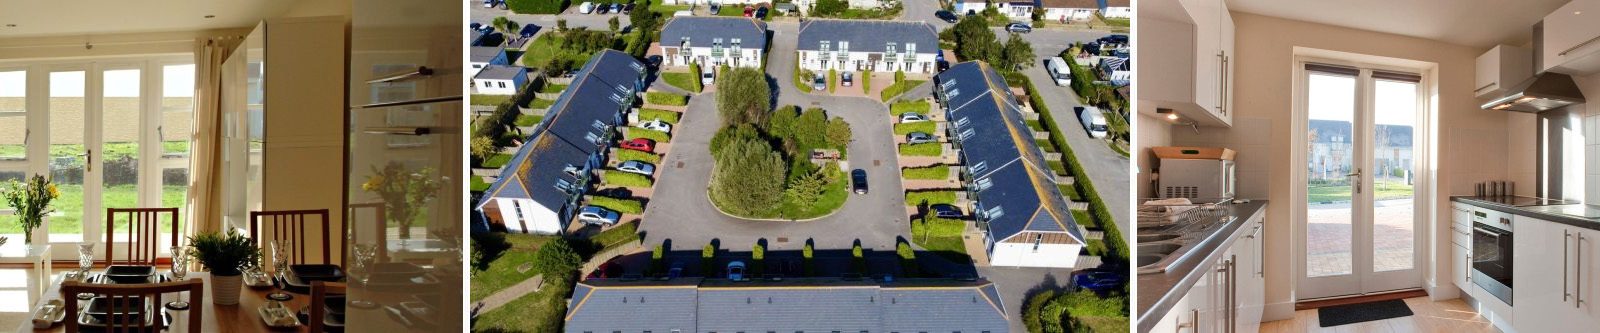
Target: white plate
{"x": 275, "y": 315}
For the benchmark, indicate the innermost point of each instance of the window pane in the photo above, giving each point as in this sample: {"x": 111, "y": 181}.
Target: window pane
{"x": 1393, "y": 231}
{"x": 13, "y": 114}
{"x": 119, "y": 128}
{"x": 1331, "y": 106}
{"x": 177, "y": 115}
{"x": 66, "y": 149}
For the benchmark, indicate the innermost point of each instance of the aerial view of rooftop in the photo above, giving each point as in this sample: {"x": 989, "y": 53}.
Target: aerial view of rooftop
{"x": 799, "y": 165}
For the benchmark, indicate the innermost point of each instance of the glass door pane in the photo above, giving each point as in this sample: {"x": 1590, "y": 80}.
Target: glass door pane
{"x": 177, "y": 115}
{"x": 13, "y": 138}
{"x": 120, "y": 107}
{"x": 1331, "y": 108}
{"x": 67, "y": 164}
{"x": 1393, "y": 234}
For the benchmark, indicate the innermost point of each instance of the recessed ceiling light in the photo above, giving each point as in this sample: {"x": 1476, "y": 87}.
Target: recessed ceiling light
{"x": 211, "y": 16}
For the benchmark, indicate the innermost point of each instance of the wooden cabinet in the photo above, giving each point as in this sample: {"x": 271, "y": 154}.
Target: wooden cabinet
{"x": 1195, "y": 77}
{"x": 1500, "y": 68}
{"x": 1572, "y": 39}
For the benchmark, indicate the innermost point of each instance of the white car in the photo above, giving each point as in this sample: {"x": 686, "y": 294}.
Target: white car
{"x": 657, "y": 125}
{"x": 911, "y": 117}
{"x": 682, "y": 13}
{"x": 586, "y": 8}
{"x": 708, "y": 75}
{"x": 638, "y": 167}
{"x": 597, "y": 216}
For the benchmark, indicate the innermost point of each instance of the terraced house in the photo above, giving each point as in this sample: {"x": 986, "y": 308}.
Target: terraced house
{"x": 1018, "y": 205}
{"x": 713, "y": 40}
{"x": 539, "y": 189}
{"x": 791, "y": 305}
{"x": 868, "y": 45}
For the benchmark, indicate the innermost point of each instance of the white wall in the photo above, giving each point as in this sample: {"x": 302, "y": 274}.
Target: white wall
{"x": 1118, "y": 12}
{"x": 1153, "y": 132}
{"x": 1075, "y": 14}
{"x": 495, "y": 87}
{"x": 540, "y": 220}
{"x": 748, "y": 56}
{"x": 923, "y": 61}
{"x": 1023, "y": 255}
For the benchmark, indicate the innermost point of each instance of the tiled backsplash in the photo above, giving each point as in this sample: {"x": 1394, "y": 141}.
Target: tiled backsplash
{"x": 1251, "y": 137}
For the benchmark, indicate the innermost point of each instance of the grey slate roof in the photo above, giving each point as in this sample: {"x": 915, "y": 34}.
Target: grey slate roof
{"x": 500, "y": 72}
{"x": 564, "y": 137}
{"x": 997, "y": 146}
{"x": 803, "y": 304}
{"x": 868, "y": 35}
{"x": 701, "y": 30}
{"x": 484, "y": 53}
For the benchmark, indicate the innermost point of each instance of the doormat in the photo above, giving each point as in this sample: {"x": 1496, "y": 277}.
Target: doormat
{"x": 1362, "y": 312}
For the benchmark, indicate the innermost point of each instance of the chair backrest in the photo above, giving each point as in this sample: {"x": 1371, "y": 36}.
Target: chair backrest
{"x": 319, "y": 293}
{"x": 143, "y": 235}
{"x": 151, "y": 292}
{"x": 291, "y": 225}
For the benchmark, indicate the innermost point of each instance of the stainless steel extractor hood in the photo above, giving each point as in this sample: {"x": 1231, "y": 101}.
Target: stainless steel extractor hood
{"x": 1545, "y": 91}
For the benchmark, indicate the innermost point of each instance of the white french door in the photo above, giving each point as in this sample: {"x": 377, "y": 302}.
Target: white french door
{"x": 1360, "y": 185}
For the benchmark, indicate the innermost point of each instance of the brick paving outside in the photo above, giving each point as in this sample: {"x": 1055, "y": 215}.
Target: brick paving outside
{"x": 1328, "y": 238}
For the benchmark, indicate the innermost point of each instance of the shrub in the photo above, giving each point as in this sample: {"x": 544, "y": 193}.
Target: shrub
{"x": 838, "y": 133}
{"x": 858, "y": 260}
{"x": 802, "y": 78}
{"x": 654, "y": 135}
{"x": 930, "y": 197}
{"x": 936, "y": 172}
{"x": 918, "y": 106}
{"x": 866, "y": 82}
{"x": 634, "y": 155}
{"x": 833, "y": 80}
{"x": 922, "y": 149}
{"x": 748, "y": 178}
{"x": 537, "y": 6}
{"x": 556, "y": 258}
{"x": 783, "y": 121}
{"x": 661, "y": 98}
{"x": 624, "y": 206}
{"x": 743, "y": 96}
{"x": 921, "y": 126}
{"x": 694, "y": 77}
{"x": 624, "y": 179}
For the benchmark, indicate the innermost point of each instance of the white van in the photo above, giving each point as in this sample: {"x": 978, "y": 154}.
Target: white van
{"x": 708, "y": 74}
{"x": 586, "y": 7}
{"x": 1093, "y": 121}
{"x": 682, "y": 13}
{"x": 1059, "y": 71}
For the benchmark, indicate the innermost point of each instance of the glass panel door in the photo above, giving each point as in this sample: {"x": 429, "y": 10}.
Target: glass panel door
{"x": 176, "y": 115}
{"x": 14, "y": 134}
{"x": 69, "y": 157}
{"x": 1393, "y": 232}
{"x": 1330, "y": 197}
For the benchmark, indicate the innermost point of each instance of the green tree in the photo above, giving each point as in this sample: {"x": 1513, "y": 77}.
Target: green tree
{"x": 483, "y": 147}
{"x": 708, "y": 261}
{"x": 782, "y": 122}
{"x": 561, "y": 25}
{"x": 838, "y": 133}
{"x": 858, "y": 260}
{"x": 1030, "y": 310}
{"x": 810, "y": 131}
{"x": 748, "y": 179}
{"x": 743, "y": 96}
{"x": 504, "y": 24}
{"x": 729, "y": 135}
{"x": 974, "y": 40}
{"x": 1016, "y": 54}
{"x": 908, "y": 258}
{"x": 829, "y": 8}
{"x": 642, "y": 18}
{"x": 806, "y": 190}
{"x": 556, "y": 259}
{"x": 614, "y": 24}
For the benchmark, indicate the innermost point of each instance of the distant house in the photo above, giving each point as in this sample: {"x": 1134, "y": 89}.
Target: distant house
{"x": 964, "y": 7}
{"x": 713, "y": 41}
{"x": 1116, "y": 8}
{"x": 867, "y": 45}
{"x": 1116, "y": 70}
{"x": 1069, "y": 10}
{"x": 806, "y": 6}
{"x": 1017, "y": 204}
{"x": 1016, "y": 10}
{"x": 499, "y": 79}
{"x": 538, "y": 191}
{"x": 789, "y": 305}
{"x": 482, "y": 56}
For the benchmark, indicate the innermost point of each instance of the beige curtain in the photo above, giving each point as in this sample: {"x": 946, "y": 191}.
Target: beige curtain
{"x": 204, "y": 206}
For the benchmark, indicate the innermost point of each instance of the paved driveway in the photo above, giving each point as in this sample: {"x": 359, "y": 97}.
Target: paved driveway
{"x": 922, "y": 10}
{"x": 548, "y": 22}
{"x": 682, "y": 213}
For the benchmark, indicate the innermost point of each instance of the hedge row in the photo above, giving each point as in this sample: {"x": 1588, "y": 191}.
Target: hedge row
{"x": 624, "y": 206}
{"x": 922, "y": 149}
{"x": 619, "y": 178}
{"x": 661, "y": 98}
{"x": 1097, "y": 207}
{"x": 653, "y": 135}
{"x": 936, "y": 172}
{"x": 634, "y": 155}
{"x": 653, "y": 114}
{"x": 914, "y": 198}
{"x": 921, "y": 126}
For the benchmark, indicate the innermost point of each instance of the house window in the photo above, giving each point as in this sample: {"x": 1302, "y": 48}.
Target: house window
{"x": 599, "y": 125}
{"x": 980, "y": 167}
{"x": 911, "y": 49}
{"x": 947, "y": 84}
{"x": 502, "y": 84}
{"x": 982, "y": 184}
{"x": 961, "y": 122}
{"x": 994, "y": 213}
{"x": 1037, "y": 239}
{"x": 966, "y": 134}
{"x": 516, "y": 206}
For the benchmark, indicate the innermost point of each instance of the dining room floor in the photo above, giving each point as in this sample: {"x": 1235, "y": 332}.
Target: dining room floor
{"x": 16, "y": 303}
{"x": 1452, "y": 315}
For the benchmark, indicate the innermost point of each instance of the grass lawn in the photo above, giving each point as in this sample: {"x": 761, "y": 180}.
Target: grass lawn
{"x": 553, "y": 88}
{"x": 661, "y": 98}
{"x": 490, "y": 100}
{"x": 1034, "y": 124}
{"x": 548, "y": 46}
{"x": 1386, "y": 190}
{"x": 667, "y": 10}
{"x": 921, "y": 126}
{"x": 896, "y": 89}
{"x": 528, "y": 120}
{"x": 1083, "y": 217}
{"x": 622, "y": 233}
{"x": 537, "y": 104}
{"x": 666, "y": 116}
{"x": 935, "y": 172}
{"x": 802, "y": 79}
{"x": 1117, "y": 22}
{"x": 922, "y": 149}
{"x": 932, "y": 197}
{"x": 541, "y": 311}
{"x": 1071, "y": 192}
{"x": 653, "y": 135}
{"x": 478, "y": 185}
{"x": 683, "y": 81}
{"x": 731, "y": 10}
{"x": 624, "y": 179}
{"x": 497, "y": 161}
{"x": 624, "y": 206}
{"x": 919, "y": 106}
{"x": 68, "y": 218}
{"x": 1045, "y": 145}
{"x": 502, "y": 272}
{"x": 942, "y": 237}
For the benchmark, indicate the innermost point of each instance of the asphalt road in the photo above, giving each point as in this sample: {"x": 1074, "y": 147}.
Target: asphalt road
{"x": 477, "y": 13}
{"x": 681, "y": 212}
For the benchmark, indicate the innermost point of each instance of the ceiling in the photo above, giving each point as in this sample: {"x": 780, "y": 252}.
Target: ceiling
{"x": 93, "y": 17}
{"x": 1479, "y": 23}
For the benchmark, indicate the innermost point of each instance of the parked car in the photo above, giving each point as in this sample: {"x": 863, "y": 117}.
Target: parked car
{"x": 736, "y": 270}
{"x": 598, "y": 216}
{"x": 847, "y": 79}
{"x": 639, "y": 144}
{"x": 656, "y": 125}
{"x": 715, "y": 8}
{"x": 919, "y": 137}
{"x": 945, "y": 211}
{"x": 606, "y": 271}
{"x": 911, "y": 117}
{"x": 474, "y": 26}
{"x": 654, "y": 61}
{"x": 488, "y": 3}
{"x": 1019, "y": 27}
{"x": 708, "y": 75}
{"x": 761, "y": 12}
{"x": 627, "y": 9}
{"x": 943, "y": 65}
{"x": 1100, "y": 281}
{"x": 819, "y": 82}
{"x": 616, "y": 8}
{"x": 858, "y": 181}
{"x": 601, "y": 8}
{"x": 946, "y": 15}
{"x": 749, "y": 11}
{"x": 586, "y": 8}
{"x": 638, "y": 167}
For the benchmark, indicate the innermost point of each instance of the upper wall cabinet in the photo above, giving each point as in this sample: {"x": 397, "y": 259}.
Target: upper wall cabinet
{"x": 1194, "y": 77}
{"x": 1572, "y": 39}
{"x": 1502, "y": 67}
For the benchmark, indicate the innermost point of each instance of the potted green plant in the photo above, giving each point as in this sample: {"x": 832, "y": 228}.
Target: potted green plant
{"x": 31, "y": 200}
{"x": 226, "y": 256}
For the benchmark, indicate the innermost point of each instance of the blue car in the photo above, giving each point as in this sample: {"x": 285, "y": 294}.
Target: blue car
{"x": 1100, "y": 281}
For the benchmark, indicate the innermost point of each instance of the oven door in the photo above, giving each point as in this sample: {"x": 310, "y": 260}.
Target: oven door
{"x": 1491, "y": 260}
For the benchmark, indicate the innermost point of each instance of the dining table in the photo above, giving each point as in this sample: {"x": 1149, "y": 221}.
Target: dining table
{"x": 242, "y": 317}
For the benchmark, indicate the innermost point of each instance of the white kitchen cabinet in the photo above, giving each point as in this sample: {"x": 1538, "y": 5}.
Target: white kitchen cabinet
{"x": 1250, "y": 284}
{"x": 1500, "y": 68}
{"x": 1585, "y": 278}
{"x": 1554, "y": 270}
{"x": 1462, "y": 268}
{"x": 1195, "y": 77}
{"x": 1572, "y": 38}
{"x": 1180, "y": 319}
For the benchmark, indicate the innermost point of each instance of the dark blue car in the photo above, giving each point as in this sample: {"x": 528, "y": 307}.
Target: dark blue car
{"x": 1100, "y": 281}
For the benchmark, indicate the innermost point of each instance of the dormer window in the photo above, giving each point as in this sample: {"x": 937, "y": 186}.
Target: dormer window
{"x": 994, "y": 213}
{"x": 947, "y": 84}
{"x": 616, "y": 98}
{"x": 599, "y": 125}
{"x": 982, "y": 184}
{"x": 911, "y": 48}
{"x": 571, "y": 170}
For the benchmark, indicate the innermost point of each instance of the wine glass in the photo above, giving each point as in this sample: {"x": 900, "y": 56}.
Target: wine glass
{"x": 362, "y": 268}
{"x": 180, "y": 262}
{"x": 85, "y": 258}
{"x": 280, "y": 257}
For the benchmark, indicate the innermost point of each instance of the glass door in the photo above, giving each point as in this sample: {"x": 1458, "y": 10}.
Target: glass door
{"x": 1359, "y": 229}
{"x": 70, "y": 158}
{"x": 14, "y": 134}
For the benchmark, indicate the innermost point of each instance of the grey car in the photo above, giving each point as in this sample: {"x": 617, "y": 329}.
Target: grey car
{"x": 637, "y": 167}
{"x": 819, "y": 83}
{"x": 919, "y": 137}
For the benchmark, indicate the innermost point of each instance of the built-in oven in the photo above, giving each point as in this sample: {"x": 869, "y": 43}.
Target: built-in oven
{"x": 1491, "y": 252}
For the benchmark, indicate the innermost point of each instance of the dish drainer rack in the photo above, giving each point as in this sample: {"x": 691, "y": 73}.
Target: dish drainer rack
{"x": 1179, "y": 216}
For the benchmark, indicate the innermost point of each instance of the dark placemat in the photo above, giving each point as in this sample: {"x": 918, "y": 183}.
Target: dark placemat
{"x": 1362, "y": 312}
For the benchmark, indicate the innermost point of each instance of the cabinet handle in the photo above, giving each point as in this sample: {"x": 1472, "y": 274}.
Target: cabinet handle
{"x": 1577, "y": 285}
{"x": 1591, "y": 40}
{"x": 1233, "y": 293}
{"x": 1566, "y": 240}
{"x": 1467, "y": 271}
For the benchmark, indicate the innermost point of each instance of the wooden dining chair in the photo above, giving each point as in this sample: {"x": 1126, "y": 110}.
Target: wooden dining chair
{"x": 380, "y": 224}
{"x": 142, "y": 241}
{"x": 291, "y": 225}
{"x": 320, "y": 291}
{"x": 152, "y": 292}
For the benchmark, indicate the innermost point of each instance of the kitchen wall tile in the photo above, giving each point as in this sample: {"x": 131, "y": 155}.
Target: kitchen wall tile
{"x": 1207, "y": 134}
{"x": 1591, "y": 159}
{"x": 1249, "y": 130}
{"x": 1590, "y": 133}
{"x": 1253, "y": 185}
{"x": 1253, "y": 158}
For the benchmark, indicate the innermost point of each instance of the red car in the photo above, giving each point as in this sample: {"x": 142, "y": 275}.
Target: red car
{"x": 749, "y": 11}
{"x": 640, "y": 144}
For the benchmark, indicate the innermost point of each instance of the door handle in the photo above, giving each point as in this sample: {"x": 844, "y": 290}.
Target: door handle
{"x": 1356, "y": 184}
{"x": 88, "y": 160}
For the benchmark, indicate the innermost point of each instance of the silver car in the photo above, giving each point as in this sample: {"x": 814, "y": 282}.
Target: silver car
{"x": 598, "y": 216}
{"x": 911, "y": 117}
{"x": 919, "y": 137}
{"x": 638, "y": 167}
{"x": 657, "y": 125}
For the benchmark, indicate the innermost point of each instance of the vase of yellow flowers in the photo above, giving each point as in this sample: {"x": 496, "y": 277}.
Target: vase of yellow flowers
{"x": 31, "y": 200}
{"x": 404, "y": 191}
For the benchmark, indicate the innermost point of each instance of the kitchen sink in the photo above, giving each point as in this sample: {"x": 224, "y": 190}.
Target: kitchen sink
{"x": 1158, "y": 249}
{"x": 1166, "y": 246}
{"x": 1147, "y": 260}
{"x": 1151, "y": 238}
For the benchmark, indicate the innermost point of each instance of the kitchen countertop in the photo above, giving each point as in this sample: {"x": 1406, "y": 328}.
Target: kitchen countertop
{"x": 1159, "y": 291}
{"x": 1577, "y": 221}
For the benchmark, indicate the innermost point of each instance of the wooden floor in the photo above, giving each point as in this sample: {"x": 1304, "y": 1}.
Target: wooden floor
{"x": 1445, "y": 316}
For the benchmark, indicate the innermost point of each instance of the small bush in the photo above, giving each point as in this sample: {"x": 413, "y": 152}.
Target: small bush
{"x": 653, "y": 135}
{"x": 932, "y": 197}
{"x": 634, "y": 155}
{"x": 624, "y": 179}
{"x": 921, "y": 126}
{"x": 918, "y": 106}
{"x": 661, "y": 98}
{"x": 802, "y": 78}
{"x": 937, "y": 227}
{"x": 833, "y": 80}
{"x": 652, "y": 114}
{"x": 537, "y": 6}
{"x": 937, "y": 172}
{"x": 922, "y": 149}
{"x": 624, "y": 206}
